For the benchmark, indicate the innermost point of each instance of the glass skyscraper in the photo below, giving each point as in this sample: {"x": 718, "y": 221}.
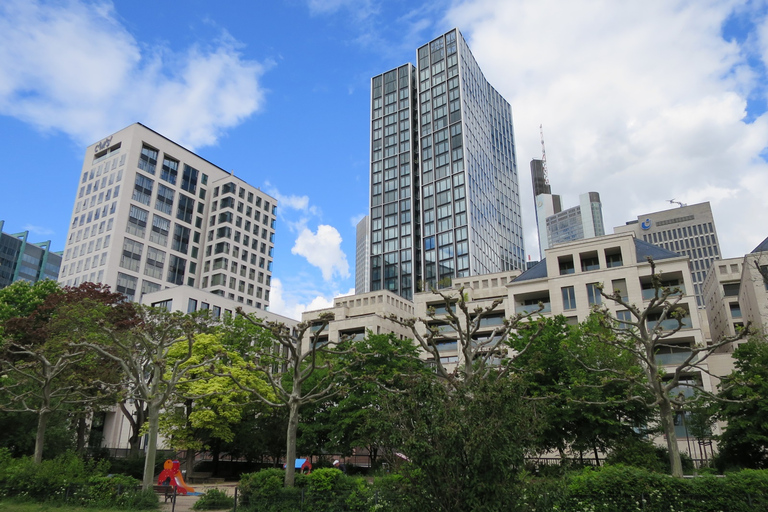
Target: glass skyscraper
{"x": 445, "y": 199}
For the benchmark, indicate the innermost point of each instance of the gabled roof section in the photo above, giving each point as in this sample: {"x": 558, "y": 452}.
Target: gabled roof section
{"x": 644, "y": 250}
{"x": 537, "y": 271}
{"x": 762, "y": 247}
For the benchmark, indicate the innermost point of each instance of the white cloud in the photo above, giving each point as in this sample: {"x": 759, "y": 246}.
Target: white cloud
{"x": 73, "y": 67}
{"x": 323, "y": 250}
{"x": 640, "y": 101}
{"x": 39, "y": 230}
{"x": 286, "y": 303}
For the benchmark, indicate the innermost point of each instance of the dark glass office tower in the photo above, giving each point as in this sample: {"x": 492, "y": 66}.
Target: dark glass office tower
{"x": 445, "y": 199}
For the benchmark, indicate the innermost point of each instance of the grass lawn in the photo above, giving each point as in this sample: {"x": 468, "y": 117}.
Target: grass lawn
{"x": 14, "y": 506}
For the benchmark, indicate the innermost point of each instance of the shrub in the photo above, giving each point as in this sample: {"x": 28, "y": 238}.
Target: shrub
{"x": 214, "y": 499}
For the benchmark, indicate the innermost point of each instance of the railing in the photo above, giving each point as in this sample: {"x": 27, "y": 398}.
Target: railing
{"x": 650, "y": 293}
{"x": 533, "y": 308}
{"x": 670, "y": 324}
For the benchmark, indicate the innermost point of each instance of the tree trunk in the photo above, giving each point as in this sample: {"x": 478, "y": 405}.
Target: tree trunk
{"x": 151, "y": 452}
{"x": 42, "y": 423}
{"x": 83, "y": 429}
{"x": 597, "y": 457}
{"x": 668, "y": 425}
{"x": 290, "y": 448}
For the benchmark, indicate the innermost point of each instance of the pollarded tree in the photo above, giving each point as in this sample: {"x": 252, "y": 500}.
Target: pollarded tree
{"x": 456, "y": 321}
{"x": 651, "y": 328}
{"x": 299, "y": 368}
{"x": 143, "y": 355}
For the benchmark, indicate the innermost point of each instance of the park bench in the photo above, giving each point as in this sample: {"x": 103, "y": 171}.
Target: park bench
{"x": 167, "y": 491}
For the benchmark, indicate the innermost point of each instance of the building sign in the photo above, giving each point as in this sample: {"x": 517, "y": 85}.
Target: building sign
{"x": 104, "y": 144}
{"x": 646, "y": 224}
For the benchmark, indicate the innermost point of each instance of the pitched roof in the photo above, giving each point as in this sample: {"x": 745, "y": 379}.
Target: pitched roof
{"x": 762, "y": 247}
{"x": 644, "y": 250}
{"x": 537, "y": 271}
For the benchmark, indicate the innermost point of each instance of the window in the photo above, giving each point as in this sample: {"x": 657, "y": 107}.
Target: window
{"x": 170, "y": 170}
{"x": 148, "y": 159}
{"x": 624, "y": 317}
{"x": 126, "y": 285}
{"x": 185, "y": 208}
{"x": 189, "y": 179}
{"x": 160, "y": 229}
{"x": 731, "y": 289}
{"x": 593, "y": 295}
{"x": 613, "y": 259}
{"x": 176, "y": 268}
{"x": 131, "y": 255}
{"x": 569, "y": 297}
{"x": 164, "y": 200}
{"x": 180, "y": 239}
{"x": 566, "y": 265}
{"x": 142, "y": 190}
{"x": 589, "y": 262}
{"x": 155, "y": 263}
{"x": 137, "y": 221}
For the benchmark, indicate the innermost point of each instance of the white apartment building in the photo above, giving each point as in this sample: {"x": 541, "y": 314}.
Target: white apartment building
{"x": 150, "y": 214}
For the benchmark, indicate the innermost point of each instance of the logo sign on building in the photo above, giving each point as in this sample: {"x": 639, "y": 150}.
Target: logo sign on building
{"x": 103, "y": 144}
{"x": 646, "y": 224}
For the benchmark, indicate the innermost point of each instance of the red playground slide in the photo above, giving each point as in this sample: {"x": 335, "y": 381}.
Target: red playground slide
{"x": 170, "y": 475}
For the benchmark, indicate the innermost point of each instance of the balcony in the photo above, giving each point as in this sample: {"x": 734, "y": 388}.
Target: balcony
{"x": 649, "y": 293}
{"x": 533, "y": 308}
{"x": 673, "y": 358}
{"x": 670, "y": 324}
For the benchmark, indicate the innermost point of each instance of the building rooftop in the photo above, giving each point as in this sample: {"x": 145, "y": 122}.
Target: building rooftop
{"x": 762, "y": 247}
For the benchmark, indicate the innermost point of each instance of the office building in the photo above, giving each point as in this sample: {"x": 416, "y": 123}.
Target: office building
{"x": 150, "y": 215}
{"x": 688, "y": 230}
{"x": 721, "y": 288}
{"x": 22, "y": 260}
{"x": 753, "y": 290}
{"x": 576, "y": 223}
{"x": 362, "y": 256}
{"x": 444, "y": 188}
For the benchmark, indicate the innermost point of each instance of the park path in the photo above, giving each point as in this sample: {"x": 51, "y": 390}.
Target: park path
{"x": 184, "y": 503}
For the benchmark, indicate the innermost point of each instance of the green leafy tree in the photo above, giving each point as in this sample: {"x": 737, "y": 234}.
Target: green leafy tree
{"x": 208, "y": 405}
{"x": 380, "y": 365}
{"x": 465, "y": 446}
{"x": 744, "y": 406}
{"x": 580, "y": 410}
{"x": 43, "y": 370}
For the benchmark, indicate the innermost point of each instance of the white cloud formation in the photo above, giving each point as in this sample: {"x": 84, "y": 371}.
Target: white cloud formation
{"x": 286, "y": 303}
{"x": 73, "y": 67}
{"x": 640, "y": 101}
{"x": 39, "y": 230}
{"x": 323, "y": 250}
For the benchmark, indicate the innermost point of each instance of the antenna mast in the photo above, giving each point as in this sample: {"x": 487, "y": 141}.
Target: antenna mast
{"x": 543, "y": 156}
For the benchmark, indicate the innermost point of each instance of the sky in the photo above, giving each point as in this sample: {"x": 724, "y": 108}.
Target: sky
{"x": 642, "y": 101}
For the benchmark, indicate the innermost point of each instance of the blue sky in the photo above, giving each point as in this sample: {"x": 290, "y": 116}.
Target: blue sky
{"x": 642, "y": 102}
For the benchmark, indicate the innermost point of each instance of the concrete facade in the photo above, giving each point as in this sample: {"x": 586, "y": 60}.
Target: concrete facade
{"x": 689, "y": 230}
{"x": 149, "y": 215}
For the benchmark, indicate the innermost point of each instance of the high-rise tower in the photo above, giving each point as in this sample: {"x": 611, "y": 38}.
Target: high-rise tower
{"x": 445, "y": 199}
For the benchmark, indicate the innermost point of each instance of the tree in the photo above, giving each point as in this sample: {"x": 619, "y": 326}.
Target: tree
{"x": 579, "y": 410}
{"x": 21, "y": 298}
{"x": 44, "y": 370}
{"x": 465, "y": 446}
{"x": 208, "y": 405}
{"x": 650, "y": 329}
{"x": 744, "y": 406}
{"x": 380, "y": 365}
{"x": 479, "y": 356}
{"x": 290, "y": 359}
{"x": 143, "y": 354}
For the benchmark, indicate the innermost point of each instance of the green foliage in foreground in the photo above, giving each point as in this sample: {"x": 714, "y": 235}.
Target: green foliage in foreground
{"x": 214, "y": 499}
{"x": 68, "y": 479}
{"x": 611, "y": 488}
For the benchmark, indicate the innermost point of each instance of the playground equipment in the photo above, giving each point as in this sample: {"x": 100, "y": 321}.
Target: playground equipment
{"x": 170, "y": 475}
{"x": 302, "y": 466}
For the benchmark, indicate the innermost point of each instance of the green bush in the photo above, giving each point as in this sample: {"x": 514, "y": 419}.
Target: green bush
{"x": 214, "y": 499}
{"x": 70, "y": 479}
